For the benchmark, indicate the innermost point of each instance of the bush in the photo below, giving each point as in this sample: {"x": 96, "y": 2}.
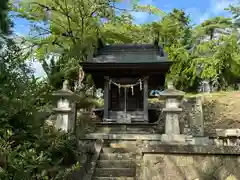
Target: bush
{"x": 42, "y": 157}
{"x": 28, "y": 149}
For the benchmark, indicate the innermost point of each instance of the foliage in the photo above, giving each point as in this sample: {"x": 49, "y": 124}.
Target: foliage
{"x": 174, "y": 28}
{"x": 210, "y": 26}
{"x": 216, "y": 55}
{"x": 235, "y": 10}
{"x": 70, "y": 31}
{"x": 29, "y": 149}
{"x": 66, "y": 33}
{"x": 40, "y": 157}
{"x": 20, "y": 93}
{"x": 5, "y": 23}
{"x": 175, "y": 34}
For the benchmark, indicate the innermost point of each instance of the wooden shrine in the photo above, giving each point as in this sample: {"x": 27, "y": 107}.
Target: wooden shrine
{"x": 127, "y": 73}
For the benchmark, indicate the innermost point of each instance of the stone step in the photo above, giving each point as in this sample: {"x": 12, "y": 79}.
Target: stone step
{"x": 126, "y": 132}
{"x": 114, "y": 150}
{"x": 123, "y": 113}
{"x": 117, "y": 156}
{"x": 116, "y": 164}
{"x": 113, "y": 178}
{"x": 118, "y": 116}
{"x": 114, "y": 172}
{"x": 124, "y": 125}
{"x": 126, "y": 129}
{"x": 129, "y": 145}
{"x": 124, "y": 136}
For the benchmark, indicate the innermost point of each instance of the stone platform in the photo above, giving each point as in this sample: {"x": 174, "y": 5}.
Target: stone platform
{"x": 127, "y": 128}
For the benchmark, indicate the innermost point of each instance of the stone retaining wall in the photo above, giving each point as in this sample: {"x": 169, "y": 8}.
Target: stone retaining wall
{"x": 190, "y": 167}
{"x": 169, "y": 162}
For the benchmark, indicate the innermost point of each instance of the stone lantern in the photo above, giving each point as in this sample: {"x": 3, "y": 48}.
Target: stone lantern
{"x": 65, "y": 109}
{"x": 172, "y": 110}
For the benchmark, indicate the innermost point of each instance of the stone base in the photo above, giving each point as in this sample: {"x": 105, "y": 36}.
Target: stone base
{"x": 173, "y": 138}
{"x": 121, "y": 121}
{"x": 127, "y": 121}
{"x": 228, "y": 132}
{"x": 130, "y": 137}
{"x": 109, "y": 120}
{"x": 197, "y": 140}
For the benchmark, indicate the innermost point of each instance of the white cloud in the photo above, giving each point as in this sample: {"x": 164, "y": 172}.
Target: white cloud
{"x": 217, "y": 7}
{"x": 195, "y": 15}
{"x": 35, "y": 65}
{"x": 204, "y": 17}
{"x": 220, "y": 6}
{"x": 38, "y": 70}
{"x": 142, "y": 17}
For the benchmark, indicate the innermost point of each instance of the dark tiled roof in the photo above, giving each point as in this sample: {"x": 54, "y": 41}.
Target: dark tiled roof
{"x": 118, "y": 47}
{"x": 130, "y": 53}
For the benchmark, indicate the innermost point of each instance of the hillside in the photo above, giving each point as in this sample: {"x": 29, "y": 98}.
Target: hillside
{"x": 221, "y": 110}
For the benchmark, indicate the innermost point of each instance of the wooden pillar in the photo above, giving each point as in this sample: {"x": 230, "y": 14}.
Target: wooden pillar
{"x": 106, "y": 100}
{"x": 145, "y": 99}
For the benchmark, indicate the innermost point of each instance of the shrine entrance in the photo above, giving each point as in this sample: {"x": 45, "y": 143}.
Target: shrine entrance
{"x": 126, "y": 99}
{"x": 125, "y": 95}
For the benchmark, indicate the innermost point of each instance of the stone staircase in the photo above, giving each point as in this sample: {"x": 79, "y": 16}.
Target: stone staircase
{"x": 115, "y": 163}
{"x": 117, "y": 159}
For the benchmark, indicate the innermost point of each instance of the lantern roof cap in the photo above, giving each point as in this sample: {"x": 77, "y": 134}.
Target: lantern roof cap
{"x": 171, "y": 91}
{"x": 65, "y": 92}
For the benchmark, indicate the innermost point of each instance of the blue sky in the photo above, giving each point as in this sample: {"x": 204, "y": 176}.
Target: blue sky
{"x": 199, "y": 11}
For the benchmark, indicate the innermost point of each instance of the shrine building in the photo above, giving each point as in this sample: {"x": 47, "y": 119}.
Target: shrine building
{"x": 127, "y": 73}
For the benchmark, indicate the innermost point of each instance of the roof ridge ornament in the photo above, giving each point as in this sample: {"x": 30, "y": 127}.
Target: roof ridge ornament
{"x": 65, "y": 85}
{"x": 170, "y": 85}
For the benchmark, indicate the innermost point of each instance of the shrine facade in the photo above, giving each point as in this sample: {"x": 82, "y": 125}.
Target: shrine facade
{"x": 127, "y": 73}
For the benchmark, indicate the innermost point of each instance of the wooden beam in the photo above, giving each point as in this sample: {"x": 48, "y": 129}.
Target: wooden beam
{"x": 145, "y": 99}
{"x": 106, "y": 99}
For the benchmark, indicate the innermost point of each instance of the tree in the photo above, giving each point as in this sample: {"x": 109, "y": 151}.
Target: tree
{"x": 72, "y": 31}
{"x": 220, "y": 59}
{"x": 174, "y": 33}
{"x": 18, "y": 88}
{"x": 28, "y": 148}
{"x": 173, "y": 28}
{"x": 209, "y": 27}
{"x": 5, "y": 23}
{"x": 188, "y": 48}
{"x": 218, "y": 56}
{"x": 235, "y": 10}
{"x": 68, "y": 31}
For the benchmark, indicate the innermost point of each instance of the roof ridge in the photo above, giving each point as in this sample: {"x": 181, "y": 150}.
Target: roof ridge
{"x": 130, "y": 46}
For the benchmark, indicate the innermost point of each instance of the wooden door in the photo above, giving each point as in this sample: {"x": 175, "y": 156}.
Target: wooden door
{"x": 117, "y": 101}
{"x": 135, "y": 99}
{"x": 132, "y": 101}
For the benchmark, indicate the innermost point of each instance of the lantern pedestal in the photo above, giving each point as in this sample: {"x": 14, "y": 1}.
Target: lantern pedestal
{"x": 65, "y": 119}
{"x": 174, "y": 138}
{"x": 172, "y": 128}
{"x": 172, "y": 111}
{"x": 65, "y": 109}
